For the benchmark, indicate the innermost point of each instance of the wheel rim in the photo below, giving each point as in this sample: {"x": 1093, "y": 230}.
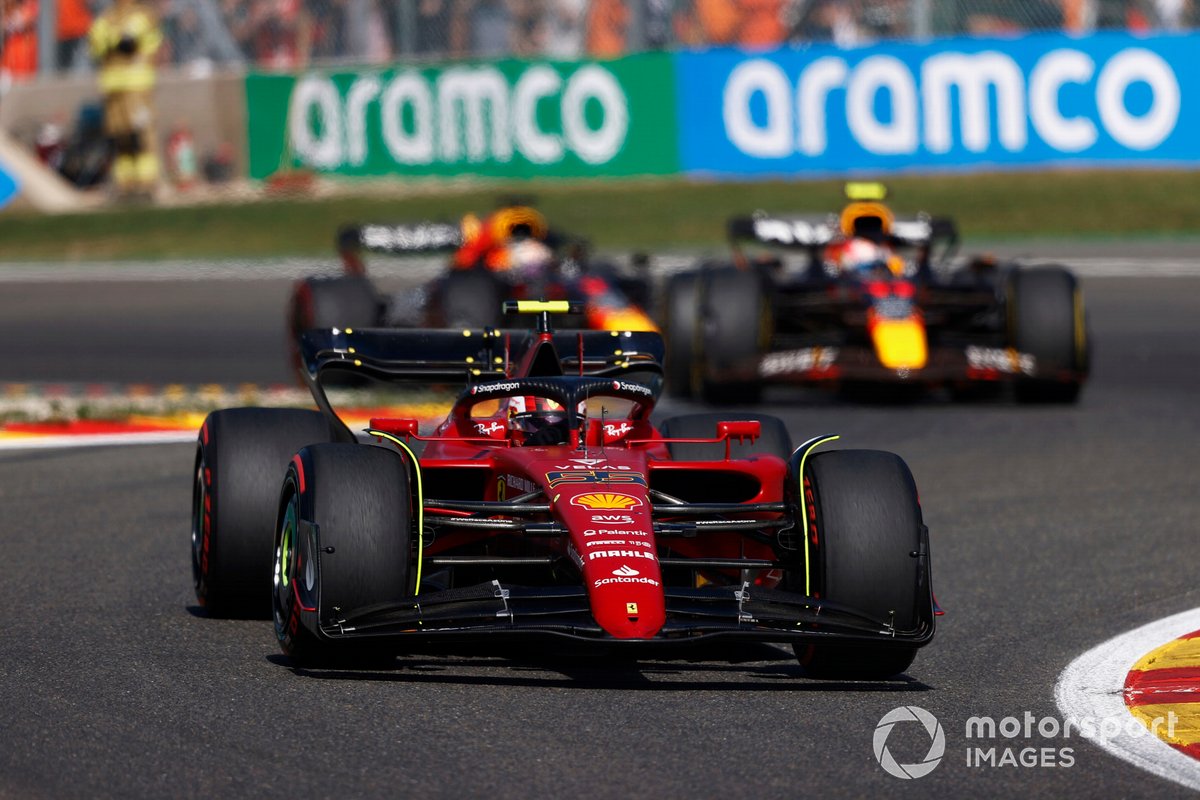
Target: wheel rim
{"x": 285, "y": 561}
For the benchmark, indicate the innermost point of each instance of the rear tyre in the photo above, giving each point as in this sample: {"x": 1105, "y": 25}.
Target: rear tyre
{"x": 737, "y": 327}
{"x": 343, "y": 542}
{"x": 775, "y": 439}
{"x": 241, "y": 455}
{"x": 471, "y": 298}
{"x": 1045, "y": 318}
{"x": 682, "y": 331}
{"x": 869, "y": 552}
{"x": 348, "y": 301}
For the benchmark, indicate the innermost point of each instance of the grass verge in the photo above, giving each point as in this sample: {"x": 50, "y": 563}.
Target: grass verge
{"x": 621, "y": 214}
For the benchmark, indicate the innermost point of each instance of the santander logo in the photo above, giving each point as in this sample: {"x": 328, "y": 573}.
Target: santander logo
{"x": 625, "y": 571}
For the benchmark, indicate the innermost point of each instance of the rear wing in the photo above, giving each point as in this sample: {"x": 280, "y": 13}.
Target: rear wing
{"x": 407, "y": 239}
{"x": 423, "y": 238}
{"x": 796, "y": 232}
{"x": 472, "y": 356}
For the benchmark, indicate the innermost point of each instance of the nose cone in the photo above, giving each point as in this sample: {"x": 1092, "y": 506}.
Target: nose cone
{"x": 625, "y": 587}
{"x": 900, "y": 343}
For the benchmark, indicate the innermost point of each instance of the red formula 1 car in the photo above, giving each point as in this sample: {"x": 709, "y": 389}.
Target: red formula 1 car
{"x": 548, "y": 505}
{"x": 873, "y": 304}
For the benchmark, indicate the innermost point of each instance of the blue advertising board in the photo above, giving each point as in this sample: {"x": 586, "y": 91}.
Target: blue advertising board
{"x": 8, "y": 187}
{"x": 953, "y": 103}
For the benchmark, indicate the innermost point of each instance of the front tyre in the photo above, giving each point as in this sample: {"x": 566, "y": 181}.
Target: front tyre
{"x": 868, "y": 551}
{"x": 240, "y": 457}
{"x": 737, "y": 328}
{"x": 681, "y": 329}
{"x": 344, "y": 542}
{"x": 1046, "y": 320}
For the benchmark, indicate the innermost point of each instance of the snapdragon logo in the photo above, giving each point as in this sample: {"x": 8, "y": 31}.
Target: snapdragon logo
{"x": 937, "y": 742}
{"x": 892, "y": 108}
{"x": 464, "y": 114}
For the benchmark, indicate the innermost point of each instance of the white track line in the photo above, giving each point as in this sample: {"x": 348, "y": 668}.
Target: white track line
{"x": 1091, "y": 687}
{"x": 96, "y": 440}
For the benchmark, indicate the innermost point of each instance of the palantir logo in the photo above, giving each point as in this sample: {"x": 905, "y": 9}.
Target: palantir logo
{"x": 937, "y": 742}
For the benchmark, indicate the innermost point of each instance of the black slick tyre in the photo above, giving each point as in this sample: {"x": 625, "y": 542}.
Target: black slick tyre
{"x": 869, "y": 552}
{"x": 1045, "y": 320}
{"x": 737, "y": 328}
{"x": 775, "y": 439}
{"x": 343, "y": 542}
{"x": 241, "y": 457}
{"x": 346, "y": 301}
{"x": 471, "y": 298}
{"x": 681, "y": 330}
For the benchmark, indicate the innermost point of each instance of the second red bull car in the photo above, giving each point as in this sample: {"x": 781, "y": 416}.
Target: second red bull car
{"x": 873, "y": 305}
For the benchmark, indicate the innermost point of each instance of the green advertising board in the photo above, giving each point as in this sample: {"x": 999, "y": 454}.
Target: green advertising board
{"x": 508, "y": 119}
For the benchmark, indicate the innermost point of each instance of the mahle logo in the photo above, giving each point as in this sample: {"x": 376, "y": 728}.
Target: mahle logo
{"x": 468, "y": 114}
{"x": 937, "y": 742}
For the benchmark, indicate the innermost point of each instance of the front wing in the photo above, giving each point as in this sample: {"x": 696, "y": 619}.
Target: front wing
{"x": 858, "y": 363}
{"x": 693, "y": 616}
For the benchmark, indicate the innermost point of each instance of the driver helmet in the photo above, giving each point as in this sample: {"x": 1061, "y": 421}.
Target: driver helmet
{"x": 861, "y": 255}
{"x": 533, "y": 414}
{"x": 530, "y": 260}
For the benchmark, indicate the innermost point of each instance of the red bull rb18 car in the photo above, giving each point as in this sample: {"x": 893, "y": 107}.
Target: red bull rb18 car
{"x": 869, "y": 306}
{"x": 547, "y": 505}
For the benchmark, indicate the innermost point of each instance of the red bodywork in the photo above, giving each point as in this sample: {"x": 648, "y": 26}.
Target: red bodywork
{"x": 597, "y": 485}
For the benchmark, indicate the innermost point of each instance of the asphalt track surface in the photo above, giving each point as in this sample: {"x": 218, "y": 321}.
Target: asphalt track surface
{"x": 1052, "y": 529}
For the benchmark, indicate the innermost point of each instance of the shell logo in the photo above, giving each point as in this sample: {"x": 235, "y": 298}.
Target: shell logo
{"x": 597, "y": 500}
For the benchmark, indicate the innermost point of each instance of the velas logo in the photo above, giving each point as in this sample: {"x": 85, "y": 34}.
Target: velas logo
{"x": 464, "y": 114}
{"x": 937, "y": 742}
{"x": 606, "y": 500}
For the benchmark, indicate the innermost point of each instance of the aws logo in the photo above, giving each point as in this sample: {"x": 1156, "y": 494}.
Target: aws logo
{"x": 606, "y": 500}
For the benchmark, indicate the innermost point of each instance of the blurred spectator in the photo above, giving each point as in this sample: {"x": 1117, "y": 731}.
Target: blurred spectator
{"x": 761, "y": 24}
{"x": 219, "y": 165}
{"x": 1174, "y": 15}
{"x": 74, "y": 20}
{"x": 367, "y": 32}
{"x": 280, "y": 34}
{"x": 329, "y": 20}
{"x": 182, "y": 168}
{"x": 124, "y": 41}
{"x": 834, "y": 21}
{"x": 18, "y": 50}
{"x": 718, "y": 20}
{"x": 564, "y": 28}
{"x": 1004, "y": 17}
{"x": 526, "y": 28}
{"x": 660, "y": 22}
{"x": 432, "y": 35}
{"x": 50, "y": 144}
{"x": 481, "y": 28}
{"x": 607, "y": 24}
